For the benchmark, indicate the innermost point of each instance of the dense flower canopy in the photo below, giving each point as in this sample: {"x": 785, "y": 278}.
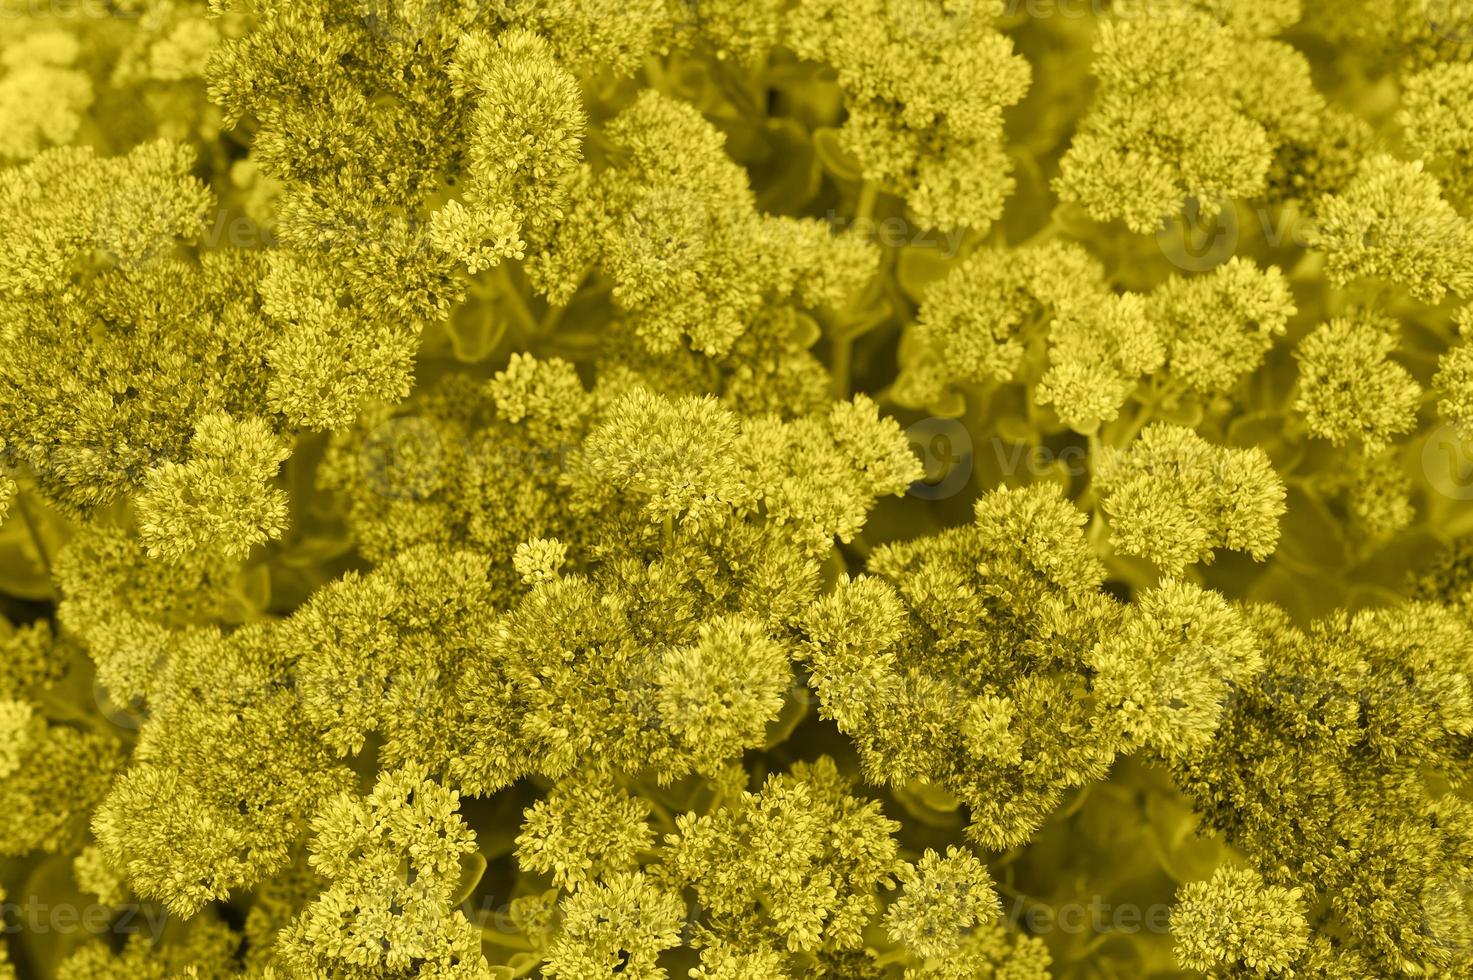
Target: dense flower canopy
{"x": 736, "y": 489}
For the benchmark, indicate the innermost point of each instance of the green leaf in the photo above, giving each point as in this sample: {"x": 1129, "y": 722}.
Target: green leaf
{"x": 932, "y": 805}
{"x": 472, "y": 868}
{"x": 474, "y": 331}
{"x": 835, "y": 161}
{"x": 952, "y": 405}
{"x": 1310, "y": 535}
{"x": 22, "y": 570}
{"x": 795, "y": 708}
{"x": 1283, "y": 588}
{"x": 806, "y": 331}
{"x": 917, "y": 268}
{"x": 790, "y": 176}
{"x": 1182, "y": 853}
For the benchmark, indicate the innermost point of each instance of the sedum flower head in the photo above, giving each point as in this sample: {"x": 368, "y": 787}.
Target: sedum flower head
{"x": 1333, "y": 740}
{"x": 15, "y": 722}
{"x": 689, "y": 473}
{"x": 1392, "y": 224}
{"x": 393, "y": 862}
{"x": 819, "y": 476}
{"x": 52, "y": 774}
{"x": 1454, "y": 379}
{"x": 586, "y": 829}
{"x": 1350, "y": 388}
{"x": 215, "y": 502}
{"x": 326, "y": 362}
{"x": 802, "y": 848}
{"x": 133, "y": 611}
{"x": 192, "y": 820}
{"x": 544, "y": 396}
{"x": 539, "y": 560}
{"x": 205, "y": 949}
{"x": 718, "y": 694}
{"x": 1097, "y": 355}
{"x": 118, "y": 344}
{"x": 616, "y": 926}
{"x": 379, "y": 653}
{"x": 598, "y": 37}
{"x": 175, "y": 846}
{"x": 1235, "y": 921}
{"x": 975, "y": 323}
{"x": 43, "y": 95}
{"x": 672, "y": 222}
{"x": 1177, "y": 656}
{"x": 62, "y": 775}
{"x": 1437, "y": 115}
{"x": 722, "y": 961}
{"x": 527, "y": 128}
{"x": 1379, "y": 496}
{"x": 960, "y": 661}
{"x": 1218, "y": 327}
{"x": 925, "y": 86}
{"x": 1173, "y": 498}
{"x": 96, "y": 875}
{"x": 31, "y": 658}
{"x": 1163, "y": 127}
{"x": 68, "y": 202}
{"x": 944, "y": 897}
{"x": 990, "y": 951}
